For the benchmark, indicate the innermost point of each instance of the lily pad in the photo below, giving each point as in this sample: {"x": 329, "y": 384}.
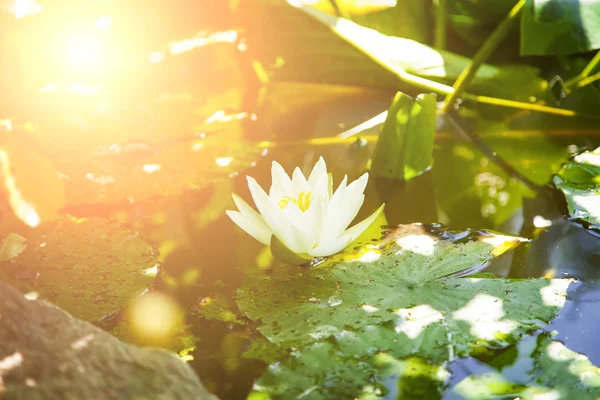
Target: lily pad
{"x": 401, "y": 297}
{"x": 87, "y": 267}
{"x": 579, "y": 180}
{"x": 141, "y": 171}
{"x": 557, "y": 372}
{"x": 363, "y": 364}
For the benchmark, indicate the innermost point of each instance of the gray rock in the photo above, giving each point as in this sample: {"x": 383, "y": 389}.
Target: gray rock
{"x": 46, "y": 353}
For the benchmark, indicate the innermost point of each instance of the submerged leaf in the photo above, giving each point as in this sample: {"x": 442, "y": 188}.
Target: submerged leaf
{"x": 557, "y": 372}
{"x": 395, "y": 300}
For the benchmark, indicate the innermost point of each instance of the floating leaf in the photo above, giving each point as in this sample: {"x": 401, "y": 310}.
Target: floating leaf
{"x": 557, "y": 373}
{"x": 136, "y": 172}
{"x": 579, "y": 180}
{"x": 218, "y": 308}
{"x": 34, "y": 190}
{"x": 356, "y": 365}
{"x": 12, "y": 246}
{"x": 405, "y": 145}
{"x": 262, "y": 349}
{"x": 560, "y": 27}
{"x": 400, "y": 297}
{"x": 89, "y": 267}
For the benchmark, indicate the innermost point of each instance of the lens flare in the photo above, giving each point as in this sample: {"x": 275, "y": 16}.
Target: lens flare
{"x": 155, "y": 316}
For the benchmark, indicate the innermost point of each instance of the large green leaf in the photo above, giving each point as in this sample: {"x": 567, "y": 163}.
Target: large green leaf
{"x": 401, "y": 297}
{"x": 557, "y": 372}
{"x": 88, "y": 267}
{"x": 405, "y": 145}
{"x": 550, "y": 27}
{"x": 579, "y": 181}
{"x": 362, "y": 56}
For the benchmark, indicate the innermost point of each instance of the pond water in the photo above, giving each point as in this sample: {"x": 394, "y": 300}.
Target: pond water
{"x": 162, "y": 156}
{"x": 464, "y": 189}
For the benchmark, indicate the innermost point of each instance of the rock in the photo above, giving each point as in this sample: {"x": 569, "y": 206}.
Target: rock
{"x": 46, "y": 353}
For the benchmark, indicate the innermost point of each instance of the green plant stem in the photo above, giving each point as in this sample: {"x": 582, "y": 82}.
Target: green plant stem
{"x": 588, "y": 80}
{"x": 478, "y": 141}
{"x": 441, "y": 9}
{"x": 490, "y": 45}
{"x": 585, "y": 73}
{"x": 440, "y": 88}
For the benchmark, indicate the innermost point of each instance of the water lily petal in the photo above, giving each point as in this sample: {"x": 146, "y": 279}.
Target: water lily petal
{"x": 315, "y": 216}
{"x": 346, "y": 238}
{"x": 256, "y": 231}
{"x": 348, "y": 208}
{"x": 334, "y": 210}
{"x": 293, "y": 237}
{"x": 249, "y": 212}
{"x": 299, "y": 182}
{"x": 329, "y": 248}
{"x": 280, "y": 181}
{"x": 293, "y": 213}
{"x": 318, "y": 170}
{"x": 261, "y": 199}
{"x": 320, "y": 190}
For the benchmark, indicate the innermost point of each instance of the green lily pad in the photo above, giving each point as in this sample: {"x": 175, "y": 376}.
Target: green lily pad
{"x": 579, "y": 181}
{"x": 361, "y": 369}
{"x": 87, "y": 267}
{"x": 400, "y": 297}
{"x": 557, "y": 372}
{"x": 137, "y": 172}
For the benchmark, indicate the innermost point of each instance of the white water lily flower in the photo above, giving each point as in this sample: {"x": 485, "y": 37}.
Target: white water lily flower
{"x": 304, "y": 215}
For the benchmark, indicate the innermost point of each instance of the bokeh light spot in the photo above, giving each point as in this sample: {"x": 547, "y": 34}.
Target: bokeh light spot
{"x": 155, "y": 316}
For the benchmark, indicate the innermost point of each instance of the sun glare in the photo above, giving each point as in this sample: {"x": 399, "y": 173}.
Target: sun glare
{"x": 23, "y": 8}
{"x": 83, "y": 50}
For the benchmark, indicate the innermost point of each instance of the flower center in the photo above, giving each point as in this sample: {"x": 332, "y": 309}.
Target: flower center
{"x": 302, "y": 201}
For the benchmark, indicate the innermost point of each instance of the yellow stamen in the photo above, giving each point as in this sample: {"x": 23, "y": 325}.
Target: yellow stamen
{"x": 302, "y": 201}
